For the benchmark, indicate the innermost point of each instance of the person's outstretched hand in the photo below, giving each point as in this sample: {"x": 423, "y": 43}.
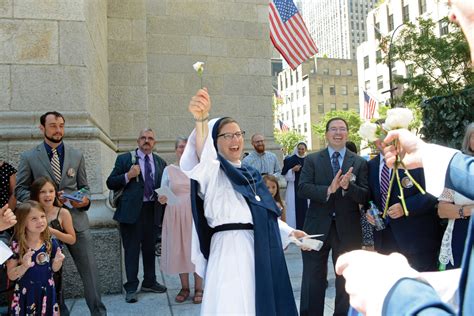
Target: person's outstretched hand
{"x": 200, "y": 104}
{"x": 409, "y": 148}
{"x": 369, "y": 276}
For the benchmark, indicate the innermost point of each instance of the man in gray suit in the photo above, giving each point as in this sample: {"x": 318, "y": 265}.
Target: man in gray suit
{"x": 336, "y": 182}
{"x": 64, "y": 165}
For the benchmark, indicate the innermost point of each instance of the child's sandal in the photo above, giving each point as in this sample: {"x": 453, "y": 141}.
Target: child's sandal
{"x": 182, "y": 295}
{"x": 197, "y": 299}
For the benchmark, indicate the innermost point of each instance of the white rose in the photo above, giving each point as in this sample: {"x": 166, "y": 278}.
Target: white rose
{"x": 199, "y": 67}
{"x": 368, "y": 131}
{"x": 398, "y": 118}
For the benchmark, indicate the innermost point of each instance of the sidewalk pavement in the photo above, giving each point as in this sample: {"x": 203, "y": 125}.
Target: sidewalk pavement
{"x": 164, "y": 304}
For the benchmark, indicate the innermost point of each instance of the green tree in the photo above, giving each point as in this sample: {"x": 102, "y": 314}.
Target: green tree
{"x": 352, "y": 118}
{"x": 288, "y": 140}
{"x": 435, "y": 65}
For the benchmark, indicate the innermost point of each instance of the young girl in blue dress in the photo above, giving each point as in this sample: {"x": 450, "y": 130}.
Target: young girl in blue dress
{"x": 35, "y": 257}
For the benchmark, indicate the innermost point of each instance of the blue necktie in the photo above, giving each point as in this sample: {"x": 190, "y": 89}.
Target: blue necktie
{"x": 335, "y": 162}
{"x": 149, "y": 193}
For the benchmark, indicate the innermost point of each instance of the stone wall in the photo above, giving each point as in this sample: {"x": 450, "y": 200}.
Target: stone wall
{"x": 114, "y": 67}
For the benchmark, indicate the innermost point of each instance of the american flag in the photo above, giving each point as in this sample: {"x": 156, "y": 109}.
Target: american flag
{"x": 289, "y": 34}
{"x": 369, "y": 106}
{"x": 283, "y": 126}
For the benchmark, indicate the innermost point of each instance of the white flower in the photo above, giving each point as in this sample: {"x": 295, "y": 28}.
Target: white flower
{"x": 398, "y": 118}
{"x": 199, "y": 67}
{"x": 368, "y": 131}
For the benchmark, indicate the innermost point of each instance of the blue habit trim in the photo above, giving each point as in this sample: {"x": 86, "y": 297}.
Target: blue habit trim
{"x": 273, "y": 291}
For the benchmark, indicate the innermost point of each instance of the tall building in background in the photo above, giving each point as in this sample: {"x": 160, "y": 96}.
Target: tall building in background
{"x": 387, "y": 18}
{"x": 316, "y": 87}
{"x": 337, "y": 26}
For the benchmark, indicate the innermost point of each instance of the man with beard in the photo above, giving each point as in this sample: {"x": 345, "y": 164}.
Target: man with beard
{"x": 138, "y": 174}
{"x": 66, "y": 167}
{"x": 264, "y": 161}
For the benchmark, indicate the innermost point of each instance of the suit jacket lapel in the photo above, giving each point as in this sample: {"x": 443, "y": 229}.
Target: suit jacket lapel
{"x": 375, "y": 179}
{"x": 327, "y": 165}
{"x": 67, "y": 159}
{"x": 348, "y": 161}
{"x": 43, "y": 157}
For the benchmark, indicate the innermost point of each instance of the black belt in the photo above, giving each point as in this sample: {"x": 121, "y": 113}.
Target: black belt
{"x": 236, "y": 226}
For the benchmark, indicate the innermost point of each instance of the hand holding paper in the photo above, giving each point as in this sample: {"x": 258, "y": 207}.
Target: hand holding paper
{"x": 307, "y": 243}
{"x": 166, "y": 191}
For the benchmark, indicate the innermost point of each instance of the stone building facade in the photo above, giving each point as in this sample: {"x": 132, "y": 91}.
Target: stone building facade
{"x": 317, "y": 86}
{"x": 113, "y": 67}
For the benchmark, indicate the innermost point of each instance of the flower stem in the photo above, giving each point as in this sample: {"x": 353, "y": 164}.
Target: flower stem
{"x": 402, "y": 196}
{"x": 418, "y": 186}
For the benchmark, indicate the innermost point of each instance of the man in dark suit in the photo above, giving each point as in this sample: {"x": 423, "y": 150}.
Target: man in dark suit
{"x": 417, "y": 236}
{"x": 335, "y": 180}
{"x": 138, "y": 211}
{"x": 64, "y": 165}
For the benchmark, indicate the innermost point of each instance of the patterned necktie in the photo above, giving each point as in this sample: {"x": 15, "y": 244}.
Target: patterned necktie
{"x": 56, "y": 166}
{"x": 384, "y": 183}
{"x": 335, "y": 162}
{"x": 149, "y": 193}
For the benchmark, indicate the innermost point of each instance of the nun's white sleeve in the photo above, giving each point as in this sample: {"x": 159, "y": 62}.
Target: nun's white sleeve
{"x": 285, "y": 232}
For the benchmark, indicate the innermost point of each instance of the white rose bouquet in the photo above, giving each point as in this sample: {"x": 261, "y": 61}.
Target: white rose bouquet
{"x": 199, "y": 68}
{"x": 396, "y": 118}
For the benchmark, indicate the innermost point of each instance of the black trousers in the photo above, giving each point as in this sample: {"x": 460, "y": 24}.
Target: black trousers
{"x": 140, "y": 235}
{"x": 314, "y": 283}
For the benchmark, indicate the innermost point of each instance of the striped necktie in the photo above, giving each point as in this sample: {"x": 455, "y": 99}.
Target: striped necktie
{"x": 335, "y": 162}
{"x": 384, "y": 183}
{"x": 56, "y": 166}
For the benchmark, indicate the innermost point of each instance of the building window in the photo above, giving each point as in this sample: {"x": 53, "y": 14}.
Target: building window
{"x": 406, "y": 13}
{"x": 377, "y": 31}
{"x": 345, "y": 106}
{"x": 422, "y": 6}
{"x": 305, "y": 127}
{"x": 286, "y": 81}
{"x": 349, "y": 72}
{"x": 304, "y": 109}
{"x": 320, "y": 90}
{"x": 366, "y": 62}
{"x": 332, "y": 90}
{"x": 291, "y": 79}
{"x": 338, "y": 72}
{"x": 378, "y": 56}
{"x": 380, "y": 82}
{"x": 292, "y": 97}
{"x": 303, "y": 91}
{"x": 299, "y": 128}
{"x": 357, "y": 107}
{"x": 277, "y": 66}
{"x": 443, "y": 27}
{"x": 355, "y": 89}
{"x": 296, "y": 75}
{"x": 287, "y": 115}
{"x": 325, "y": 71}
{"x": 333, "y": 106}
{"x": 390, "y": 23}
{"x": 321, "y": 108}
{"x": 367, "y": 85}
{"x": 298, "y": 112}
{"x": 343, "y": 90}
{"x": 297, "y": 94}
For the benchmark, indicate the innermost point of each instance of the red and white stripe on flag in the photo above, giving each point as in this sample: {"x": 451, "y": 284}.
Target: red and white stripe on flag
{"x": 283, "y": 126}
{"x": 369, "y": 106}
{"x": 289, "y": 34}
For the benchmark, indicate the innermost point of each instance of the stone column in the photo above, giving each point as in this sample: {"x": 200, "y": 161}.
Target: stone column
{"x": 54, "y": 57}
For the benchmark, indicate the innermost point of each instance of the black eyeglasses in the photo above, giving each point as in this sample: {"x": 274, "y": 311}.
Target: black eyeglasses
{"x": 230, "y": 136}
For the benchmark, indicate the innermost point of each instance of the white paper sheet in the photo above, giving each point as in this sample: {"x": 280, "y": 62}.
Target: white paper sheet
{"x": 166, "y": 191}
{"x": 5, "y": 252}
